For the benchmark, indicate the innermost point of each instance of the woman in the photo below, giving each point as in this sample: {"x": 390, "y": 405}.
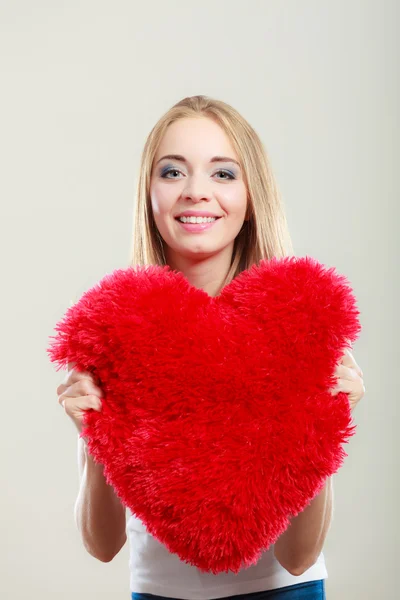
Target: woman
{"x": 207, "y": 205}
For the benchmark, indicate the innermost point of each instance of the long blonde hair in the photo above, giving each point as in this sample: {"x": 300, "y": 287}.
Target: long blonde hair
{"x": 264, "y": 235}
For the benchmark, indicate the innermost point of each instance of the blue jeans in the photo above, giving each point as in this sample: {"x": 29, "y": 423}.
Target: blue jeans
{"x": 309, "y": 590}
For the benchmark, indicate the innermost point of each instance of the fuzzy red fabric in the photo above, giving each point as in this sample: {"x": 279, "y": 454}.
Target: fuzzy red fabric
{"x": 217, "y": 422}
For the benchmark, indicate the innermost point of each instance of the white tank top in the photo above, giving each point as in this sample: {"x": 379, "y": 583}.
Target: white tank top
{"x": 155, "y": 570}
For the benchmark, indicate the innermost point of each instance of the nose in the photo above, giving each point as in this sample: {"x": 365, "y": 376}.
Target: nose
{"x": 197, "y": 189}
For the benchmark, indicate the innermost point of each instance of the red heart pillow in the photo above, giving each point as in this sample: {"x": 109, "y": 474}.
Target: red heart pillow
{"x": 217, "y": 422}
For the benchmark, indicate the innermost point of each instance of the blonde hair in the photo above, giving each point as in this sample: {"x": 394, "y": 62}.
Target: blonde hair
{"x": 264, "y": 235}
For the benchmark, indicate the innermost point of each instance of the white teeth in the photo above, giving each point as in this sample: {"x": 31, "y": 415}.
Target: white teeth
{"x": 197, "y": 219}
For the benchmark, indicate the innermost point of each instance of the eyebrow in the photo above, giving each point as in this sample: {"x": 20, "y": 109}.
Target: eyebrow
{"x": 214, "y": 158}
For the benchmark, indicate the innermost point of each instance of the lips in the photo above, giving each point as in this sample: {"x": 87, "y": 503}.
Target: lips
{"x": 197, "y": 227}
{"x": 196, "y": 213}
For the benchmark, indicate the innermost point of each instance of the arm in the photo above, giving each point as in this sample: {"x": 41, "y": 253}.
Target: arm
{"x": 298, "y": 548}
{"x": 99, "y": 513}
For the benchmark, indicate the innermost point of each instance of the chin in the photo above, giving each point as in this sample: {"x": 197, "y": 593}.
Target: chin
{"x": 200, "y": 253}
{"x": 198, "y": 249}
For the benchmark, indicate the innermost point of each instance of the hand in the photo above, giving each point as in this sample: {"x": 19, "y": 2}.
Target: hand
{"x": 78, "y": 393}
{"x": 349, "y": 379}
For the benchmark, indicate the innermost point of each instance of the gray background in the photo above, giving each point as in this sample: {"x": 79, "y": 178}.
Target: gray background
{"x": 82, "y": 83}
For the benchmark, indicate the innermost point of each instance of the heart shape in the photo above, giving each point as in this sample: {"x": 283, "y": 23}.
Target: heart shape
{"x": 217, "y": 422}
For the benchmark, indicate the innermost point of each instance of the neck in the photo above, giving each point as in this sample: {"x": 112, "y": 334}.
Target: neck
{"x": 206, "y": 273}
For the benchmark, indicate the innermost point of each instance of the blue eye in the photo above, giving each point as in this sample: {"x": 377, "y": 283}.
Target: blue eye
{"x": 229, "y": 173}
{"x": 168, "y": 170}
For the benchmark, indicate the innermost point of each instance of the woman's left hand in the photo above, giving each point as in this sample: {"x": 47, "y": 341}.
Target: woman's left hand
{"x": 349, "y": 379}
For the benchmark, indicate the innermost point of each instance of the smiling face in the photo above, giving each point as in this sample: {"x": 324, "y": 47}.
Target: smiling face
{"x": 197, "y": 180}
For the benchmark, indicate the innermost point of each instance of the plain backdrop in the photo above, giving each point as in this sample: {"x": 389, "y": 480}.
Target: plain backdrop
{"x": 82, "y": 83}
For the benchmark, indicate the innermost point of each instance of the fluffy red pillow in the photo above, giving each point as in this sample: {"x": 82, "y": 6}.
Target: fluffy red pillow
{"x": 218, "y": 422}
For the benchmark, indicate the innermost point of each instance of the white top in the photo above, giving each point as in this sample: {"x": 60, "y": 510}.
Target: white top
{"x": 155, "y": 570}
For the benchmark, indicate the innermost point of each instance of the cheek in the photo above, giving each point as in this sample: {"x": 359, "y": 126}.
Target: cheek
{"x": 161, "y": 200}
{"x": 235, "y": 203}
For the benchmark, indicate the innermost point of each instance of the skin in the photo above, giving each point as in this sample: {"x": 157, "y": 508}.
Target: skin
{"x": 298, "y": 548}
{"x": 350, "y": 379}
{"x": 198, "y": 184}
{"x": 204, "y": 258}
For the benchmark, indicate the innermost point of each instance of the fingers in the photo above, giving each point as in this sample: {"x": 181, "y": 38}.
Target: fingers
{"x": 86, "y": 386}
{"x": 73, "y": 406}
{"x": 79, "y": 392}
{"x": 342, "y": 385}
{"x": 83, "y": 388}
{"x": 72, "y": 377}
{"x": 345, "y": 372}
{"x": 349, "y": 361}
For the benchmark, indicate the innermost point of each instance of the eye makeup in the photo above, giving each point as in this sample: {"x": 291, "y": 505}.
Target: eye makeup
{"x": 229, "y": 175}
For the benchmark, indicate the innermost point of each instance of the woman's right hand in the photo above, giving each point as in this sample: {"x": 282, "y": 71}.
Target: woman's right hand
{"x": 77, "y": 393}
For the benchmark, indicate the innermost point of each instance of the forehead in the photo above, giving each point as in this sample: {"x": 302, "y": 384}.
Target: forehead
{"x": 199, "y": 138}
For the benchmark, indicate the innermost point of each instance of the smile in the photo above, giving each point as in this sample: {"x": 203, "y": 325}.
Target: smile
{"x": 197, "y": 224}
{"x": 196, "y": 219}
